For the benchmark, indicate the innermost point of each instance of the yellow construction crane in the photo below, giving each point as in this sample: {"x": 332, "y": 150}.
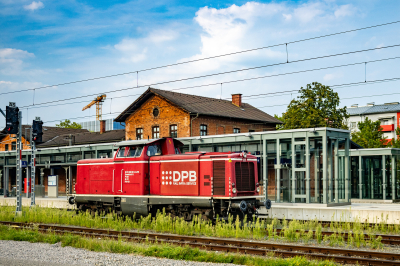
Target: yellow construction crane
{"x": 98, "y": 101}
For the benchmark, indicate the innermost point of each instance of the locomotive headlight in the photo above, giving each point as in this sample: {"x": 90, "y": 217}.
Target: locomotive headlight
{"x": 258, "y": 189}
{"x": 233, "y": 184}
{"x": 234, "y": 190}
{"x": 257, "y": 184}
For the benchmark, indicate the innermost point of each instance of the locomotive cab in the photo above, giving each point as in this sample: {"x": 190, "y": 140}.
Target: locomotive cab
{"x": 145, "y": 176}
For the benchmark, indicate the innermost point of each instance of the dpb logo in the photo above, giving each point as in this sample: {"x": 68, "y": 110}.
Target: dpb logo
{"x": 184, "y": 176}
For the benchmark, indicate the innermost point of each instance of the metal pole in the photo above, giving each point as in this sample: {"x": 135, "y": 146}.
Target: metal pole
{"x": 308, "y": 180}
{"x": 360, "y": 177}
{"x": 347, "y": 171}
{"x": 33, "y": 171}
{"x": 293, "y": 181}
{"x": 19, "y": 166}
{"x": 383, "y": 177}
{"x": 337, "y": 171}
{"x": 6, "y": 174}
{"x": 265, "y": 169}
{"x": 324, "y": 169}
{"x": 278, "y": 170}
{"x": 394, "y": 177}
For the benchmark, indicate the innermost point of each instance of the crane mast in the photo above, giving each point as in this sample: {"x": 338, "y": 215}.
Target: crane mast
{"x": 98, "y": 101}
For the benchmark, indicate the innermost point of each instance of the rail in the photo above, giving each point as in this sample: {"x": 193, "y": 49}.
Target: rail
{"x": 340, "y": 255}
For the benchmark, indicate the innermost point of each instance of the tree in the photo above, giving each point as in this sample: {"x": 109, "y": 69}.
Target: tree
{"x": 370, "y": 134}
{"x": 317, "y": 106}
{"x": 67, "y": 124}
{"x": 395, "y": 142}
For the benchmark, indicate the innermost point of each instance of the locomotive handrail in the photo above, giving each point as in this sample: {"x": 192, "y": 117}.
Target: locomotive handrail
{"x": 113, "y": 181}
{"x": 122, "y": 171}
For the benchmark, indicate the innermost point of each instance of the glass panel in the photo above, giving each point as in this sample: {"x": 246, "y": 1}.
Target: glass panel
{"x": 44, "y": 159}
{"x": 388, "y": 177}
{"x": 316, "y": 170}
{"x": 104, "y": 154}
{"x": 300, "y": 153}
{"x": 397, "y": 177}
{"x": 90, "y": 155}
{"x": 73, "y": 157}
{"x": 271, "y": 156}
{"x": 354, "y": 176}
{"x": 372, "y": 177}
{"x": 58, "y": 159}
{"x": 300, "y": 188}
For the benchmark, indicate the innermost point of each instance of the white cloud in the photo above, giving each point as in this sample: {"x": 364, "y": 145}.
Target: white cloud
{"x": 11, "y": 60}
{"x": 14, "y": 53}
{"x": 287, "y": 16}
{"x": 136, "y": 50}
{"x": 380, "y": 45}
{"x": 34, "y": 5}
{"x": 332, "y": 76}
{"x": 308, "y": 12}
{"x": 344, "y": 10}
{"x": 5, "y": 82}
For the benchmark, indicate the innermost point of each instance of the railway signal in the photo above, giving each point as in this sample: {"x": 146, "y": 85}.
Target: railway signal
{"x": 37, "y": 130}
{"x": 12, "y": 121}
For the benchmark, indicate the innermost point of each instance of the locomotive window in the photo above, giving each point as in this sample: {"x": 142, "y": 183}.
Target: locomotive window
{"x": 177, "y": 151}
{"x": 135, "y": 151}
{"x": 121, "y": 152}
{"x": 153, "y": 150}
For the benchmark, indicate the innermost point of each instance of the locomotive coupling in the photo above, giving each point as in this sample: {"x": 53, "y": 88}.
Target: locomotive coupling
{"x": 243, "y": 206}
{"x": 266, "y": 203}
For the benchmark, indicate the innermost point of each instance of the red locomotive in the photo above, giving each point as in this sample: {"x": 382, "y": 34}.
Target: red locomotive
{"x": 149, "y": 175}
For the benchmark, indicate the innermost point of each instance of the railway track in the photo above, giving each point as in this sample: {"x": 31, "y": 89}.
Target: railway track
{"x": 386, "y": 239}
{"x": 340, "y": 255}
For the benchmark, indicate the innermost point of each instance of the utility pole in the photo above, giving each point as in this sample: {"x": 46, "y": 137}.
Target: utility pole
{"x": 19, "y": 165}
{"x": 36, "y": 137}
{"x": 14, "y": 126}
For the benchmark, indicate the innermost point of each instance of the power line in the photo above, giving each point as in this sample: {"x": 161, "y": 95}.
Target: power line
{"x": 338, "y": 85}
{"x": 261, "y": 77}
{"x": 205, "y": 58}
{"x": 227, "y": 72}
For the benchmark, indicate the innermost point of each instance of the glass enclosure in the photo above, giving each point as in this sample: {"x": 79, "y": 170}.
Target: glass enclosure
{"x": 375, "y": 174}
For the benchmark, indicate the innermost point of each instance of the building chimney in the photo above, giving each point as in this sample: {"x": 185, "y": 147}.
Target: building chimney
{"x": 102, "y": 126}
{"x": 237, "y": 99}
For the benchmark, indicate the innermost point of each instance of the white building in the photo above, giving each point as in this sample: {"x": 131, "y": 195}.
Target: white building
{"x": 388, "y": 114}
{"x": 94, "y": 126}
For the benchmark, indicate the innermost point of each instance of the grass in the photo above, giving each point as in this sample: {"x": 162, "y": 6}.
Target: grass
{"x": 154, "y": 250}
{"x": 360, "y": 234}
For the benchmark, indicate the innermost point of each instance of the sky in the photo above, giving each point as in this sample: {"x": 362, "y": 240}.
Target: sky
{"x": 46, "y": 46}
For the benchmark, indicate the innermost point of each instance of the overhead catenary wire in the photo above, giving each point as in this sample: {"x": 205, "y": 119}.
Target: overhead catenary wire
{"x": 215, "y": 74}
{"x": 207, "y": 58}
{"x": 239, "y": 80}
{"x": 338, "y": 85}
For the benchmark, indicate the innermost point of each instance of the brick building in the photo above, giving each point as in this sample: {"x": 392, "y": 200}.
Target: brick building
{"x": 159, "y": 113}
{"x": 50, "y": 135}
{"x": 61, "y": 164}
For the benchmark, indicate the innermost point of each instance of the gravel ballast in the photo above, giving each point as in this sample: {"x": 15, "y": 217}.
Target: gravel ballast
{"x": 24, "y": 253}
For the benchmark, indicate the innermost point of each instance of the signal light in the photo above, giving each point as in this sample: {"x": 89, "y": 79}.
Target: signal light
{"x": 12, "y": 121}
{"x": 37, "y": 131}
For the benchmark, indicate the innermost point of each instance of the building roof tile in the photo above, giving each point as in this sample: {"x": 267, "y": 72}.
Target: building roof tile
{"x": 201, "y": 105}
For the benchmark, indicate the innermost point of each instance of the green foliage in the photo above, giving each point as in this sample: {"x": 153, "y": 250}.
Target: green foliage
{"x": 317, "y": 106}
{"x": 67, "y": 124}
{"x": 395, "y": 143}
{"x": 156, "y": 250}
{"x": 370, "y": 134}
{"x": 360, "y": 234}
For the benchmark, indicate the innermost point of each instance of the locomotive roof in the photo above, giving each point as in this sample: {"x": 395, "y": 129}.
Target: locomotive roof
{"x": 202, "y": 105}
{"x": 145, "y": 141}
